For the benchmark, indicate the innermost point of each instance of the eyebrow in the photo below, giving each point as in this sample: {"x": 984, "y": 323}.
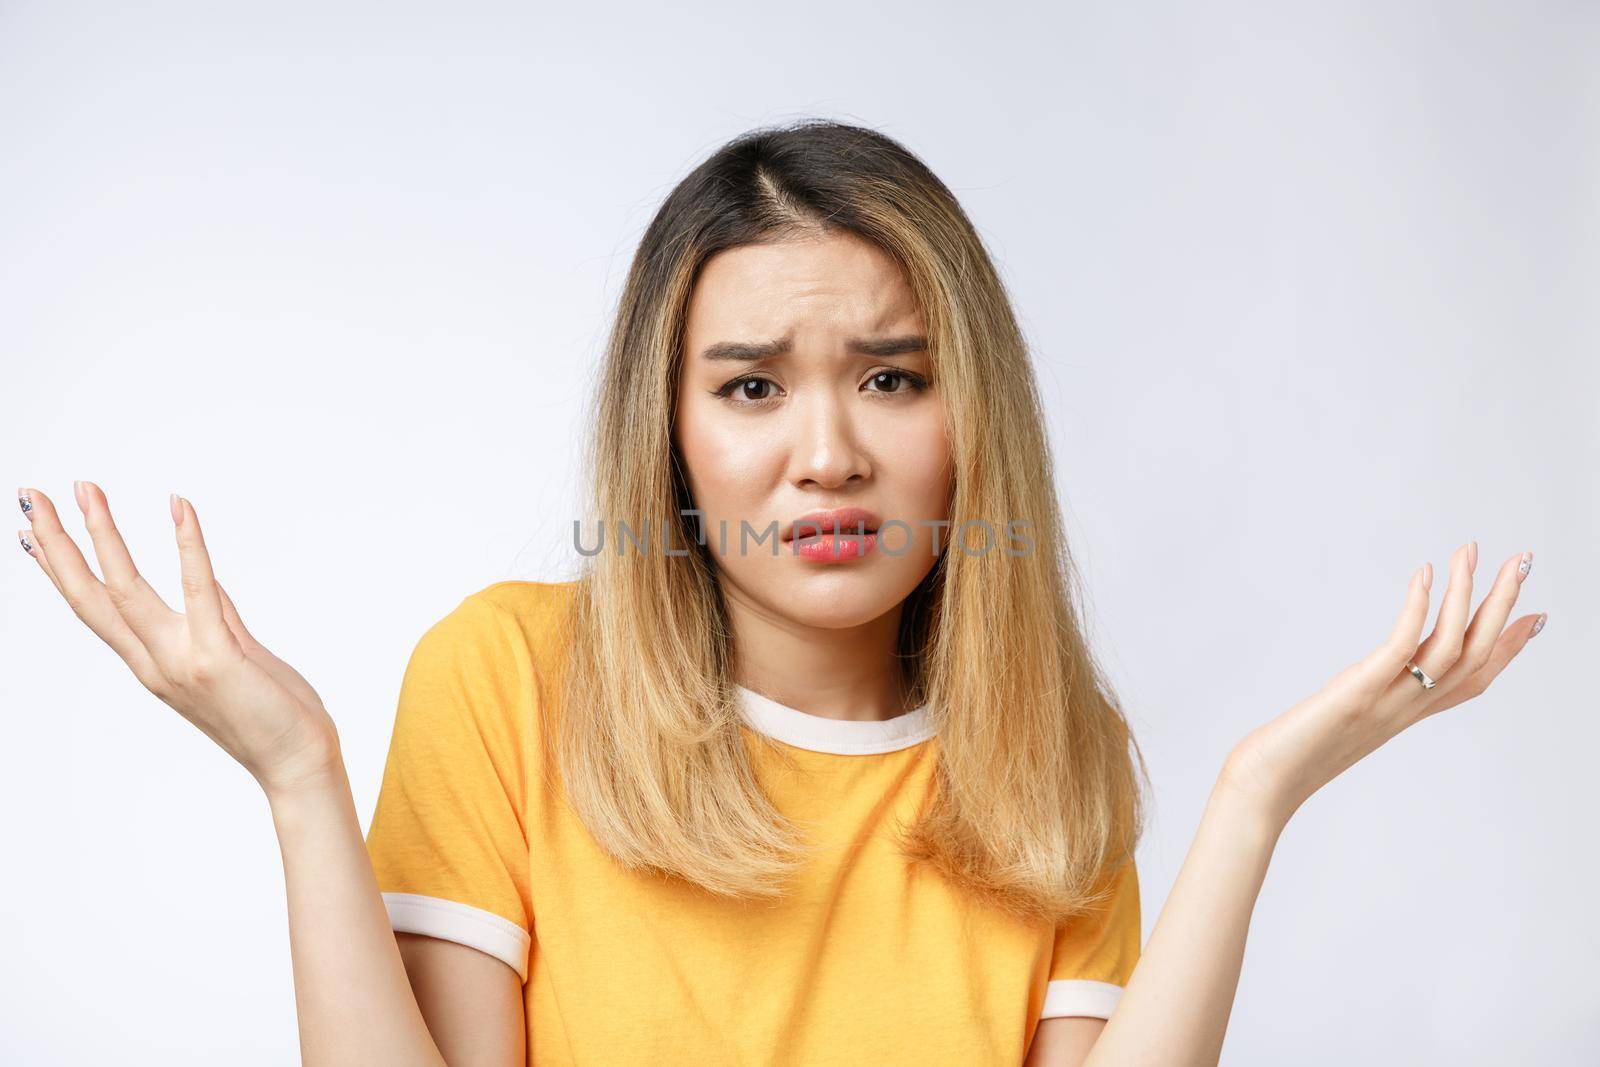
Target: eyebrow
{"x": 750, "y": 351}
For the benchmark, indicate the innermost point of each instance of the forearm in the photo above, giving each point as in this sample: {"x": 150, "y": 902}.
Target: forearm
{"x": 1174, "y": 1011}
{"x": 353, "y": 999}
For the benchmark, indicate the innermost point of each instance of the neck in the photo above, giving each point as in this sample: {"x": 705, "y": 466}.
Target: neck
{"x": 847, "y": 672}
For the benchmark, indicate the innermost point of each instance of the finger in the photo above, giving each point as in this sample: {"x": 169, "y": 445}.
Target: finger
{"x": 1489, "y": 621}
{"x": 146, "y": 614}
{"x": 1506, "y": 646}
{"x": 30, "y": 545}
{"x": 201, "y": 605}
{"x": 58, "y": 555}
{"x": 1371, "y": 675}
{"x": 230, "y": 614}
{"x": 1442, "y": 649}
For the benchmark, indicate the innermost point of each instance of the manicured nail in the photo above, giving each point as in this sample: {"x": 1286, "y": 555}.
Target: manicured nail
{"x": 25, "y": 500}
{"x": 1525, "y": 566}
{"x": 1472, "y": 558}
{"x": 1427, "y": 576}
{"x": 1538, "y": 624}
{"x": 81, "y": 495}
{"x": 177, "y": 509}
{"x": 27, "y": 545}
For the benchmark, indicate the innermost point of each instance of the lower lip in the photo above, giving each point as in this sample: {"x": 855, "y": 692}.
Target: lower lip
{"x": 834, "y": 548}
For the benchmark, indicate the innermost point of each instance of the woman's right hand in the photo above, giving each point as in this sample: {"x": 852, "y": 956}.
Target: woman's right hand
{"x": 202, "y": 662}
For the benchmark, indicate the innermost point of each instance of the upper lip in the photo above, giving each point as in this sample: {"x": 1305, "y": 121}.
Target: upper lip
{"x": 838, "y": 520}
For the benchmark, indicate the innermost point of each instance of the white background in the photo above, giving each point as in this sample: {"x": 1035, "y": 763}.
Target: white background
{"x": 1313, "y": 295}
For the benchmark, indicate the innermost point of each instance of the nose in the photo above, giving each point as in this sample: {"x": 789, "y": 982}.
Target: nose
{"x": 826, "y": 451}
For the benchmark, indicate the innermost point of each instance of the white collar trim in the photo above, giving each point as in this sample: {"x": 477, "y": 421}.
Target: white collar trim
{"x": 845, "y": 737}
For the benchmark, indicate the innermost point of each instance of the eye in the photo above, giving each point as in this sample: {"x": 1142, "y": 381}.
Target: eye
{"x": 913, "y": 382}
{"x": 749, "y": 391}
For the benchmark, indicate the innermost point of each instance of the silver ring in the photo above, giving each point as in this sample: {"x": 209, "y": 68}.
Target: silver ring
{"x": 1421, "y": 676}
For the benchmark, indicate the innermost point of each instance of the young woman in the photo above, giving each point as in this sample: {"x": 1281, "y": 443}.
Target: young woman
{"x": 811, "y": 764}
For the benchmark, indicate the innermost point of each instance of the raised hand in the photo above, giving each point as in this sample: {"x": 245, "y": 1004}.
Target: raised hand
{"x": 1285, "y": 761}
{"x": 202, "y": 662}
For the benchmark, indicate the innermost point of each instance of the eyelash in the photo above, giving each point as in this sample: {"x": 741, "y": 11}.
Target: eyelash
{"x": 916, "y": 382}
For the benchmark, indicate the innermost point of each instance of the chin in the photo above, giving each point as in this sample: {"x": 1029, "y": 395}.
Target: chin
{"x": 835, "y": 597}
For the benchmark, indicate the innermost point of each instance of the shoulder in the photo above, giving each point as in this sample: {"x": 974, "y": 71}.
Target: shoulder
{"x": 507, "y": 606}
{"x": 532, "y": 615}
{"x": 505, "y": 628}
{"x": 487, "y": 668}
{"x": 537, "y": 601}
{"x": 517, "y": 630}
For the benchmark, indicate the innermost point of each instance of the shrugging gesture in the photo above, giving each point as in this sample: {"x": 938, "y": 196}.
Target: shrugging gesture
{"x": 355, "y": 1003}
{"x": 1174, "y": 1012}
{"x": 1397, "y": 684}
{"x": 202, "y": 662}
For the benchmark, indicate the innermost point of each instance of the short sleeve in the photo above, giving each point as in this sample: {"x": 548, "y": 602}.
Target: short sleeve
{"x": 448, "y": 839}
{"x": 1095, "y": 953}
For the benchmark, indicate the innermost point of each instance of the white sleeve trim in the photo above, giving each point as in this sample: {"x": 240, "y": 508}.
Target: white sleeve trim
{"x": 413, "y": 913}
{"x": 1080, "y": 996}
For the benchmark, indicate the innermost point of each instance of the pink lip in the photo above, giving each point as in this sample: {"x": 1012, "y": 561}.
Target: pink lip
{"x": 824, "y": 524}
{"x": 834, "y": 548}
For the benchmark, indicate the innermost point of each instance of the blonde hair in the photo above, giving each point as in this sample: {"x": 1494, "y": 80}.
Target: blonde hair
{"x": 1036, "y": 796}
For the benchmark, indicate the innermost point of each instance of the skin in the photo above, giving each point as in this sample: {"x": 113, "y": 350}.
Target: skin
{"x": 818, "y": 427}
{"x": 818, "y": 637}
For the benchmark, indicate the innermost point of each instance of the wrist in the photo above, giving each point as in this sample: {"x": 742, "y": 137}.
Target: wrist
{"x": 309, "y": 789}
{"x": 1249, "y": 811}
{"x": 1257, "y": 783}
{"x": 315, "y": 765}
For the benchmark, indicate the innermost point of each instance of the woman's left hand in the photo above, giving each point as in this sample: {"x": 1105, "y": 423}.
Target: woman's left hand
{"x": 1283, "y": 762}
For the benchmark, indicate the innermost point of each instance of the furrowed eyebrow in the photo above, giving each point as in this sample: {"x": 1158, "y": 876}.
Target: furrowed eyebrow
{"x": 891, "y": 346}
{"x": 746, "y": 351}
{"x": 751, "y": 351}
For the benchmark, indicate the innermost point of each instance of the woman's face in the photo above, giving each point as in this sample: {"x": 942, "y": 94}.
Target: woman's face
{"x": 792, "y": 400}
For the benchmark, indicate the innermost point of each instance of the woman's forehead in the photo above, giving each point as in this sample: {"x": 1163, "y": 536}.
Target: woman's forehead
{"x": 766, "y": 292}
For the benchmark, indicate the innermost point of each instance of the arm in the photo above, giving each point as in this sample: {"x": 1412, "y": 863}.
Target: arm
{"x": 353, "y": 998}
{"x": 363, "y": 993}
{"x": 1187, "y": 973}
{"x": 471, "y": 1001}
{"x": 1176, "y": 1006}
{"x": 1063, "y": 1041}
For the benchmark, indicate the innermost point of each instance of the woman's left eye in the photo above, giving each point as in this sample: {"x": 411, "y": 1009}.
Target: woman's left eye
{"x": 915, "y": 382}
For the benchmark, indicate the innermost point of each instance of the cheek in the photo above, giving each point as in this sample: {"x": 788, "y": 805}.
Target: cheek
{"x": 921, "y": 461}
{"x": 723, "y": 460}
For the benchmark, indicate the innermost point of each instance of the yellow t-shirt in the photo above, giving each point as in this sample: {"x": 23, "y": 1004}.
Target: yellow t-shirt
{"x": 869, "y": 959}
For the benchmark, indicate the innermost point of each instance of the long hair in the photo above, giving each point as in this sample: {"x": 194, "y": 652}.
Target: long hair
{"x": 1036, "y": 798}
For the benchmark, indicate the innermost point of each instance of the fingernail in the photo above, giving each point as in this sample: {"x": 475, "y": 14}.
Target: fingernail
{"x": 1538, "y": 624}
{"x": 27, "y": 545}
{"x": 177, "y": 509}
{"x": 1525, "y": 566}
{"x": 1427, "y": 576}
{"x": 1472, "y": 558}
{"x": 25, "y": 500}
{"x": 81, "y": 495}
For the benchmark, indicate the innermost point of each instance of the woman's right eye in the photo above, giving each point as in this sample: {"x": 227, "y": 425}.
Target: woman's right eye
{"x": 747, "y": 391}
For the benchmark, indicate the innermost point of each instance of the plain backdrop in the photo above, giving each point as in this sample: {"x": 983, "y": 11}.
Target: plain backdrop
{"x": 1312, "y": 296}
